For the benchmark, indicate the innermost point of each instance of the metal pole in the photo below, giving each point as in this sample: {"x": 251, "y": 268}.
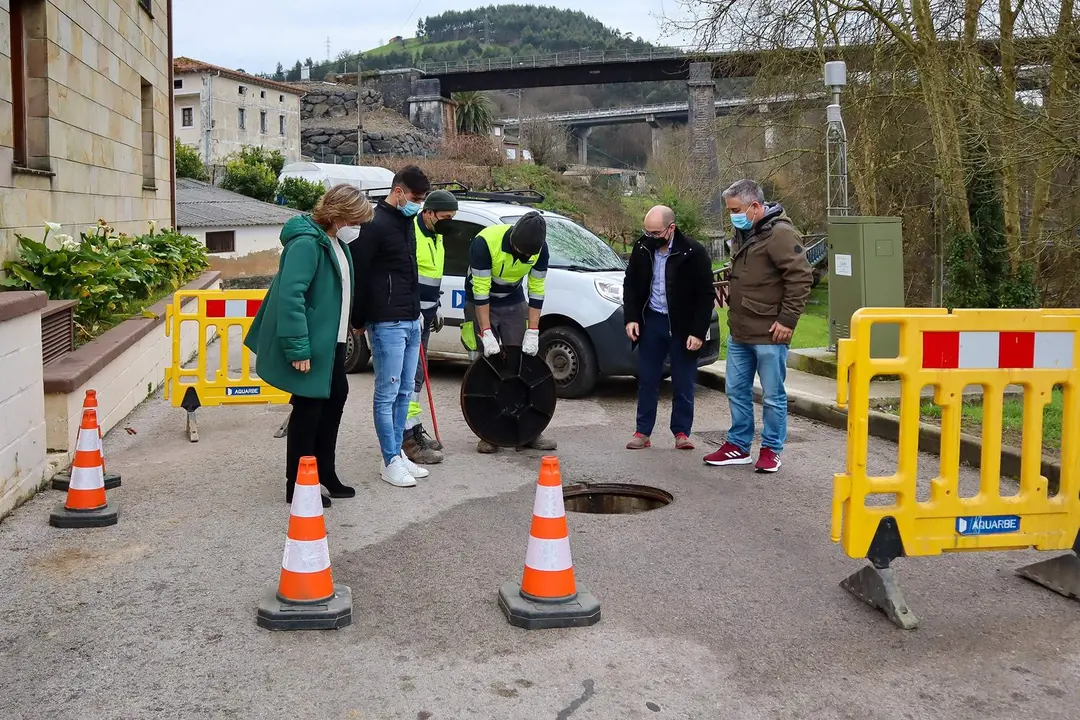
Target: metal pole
{"x": 359, "y": 108}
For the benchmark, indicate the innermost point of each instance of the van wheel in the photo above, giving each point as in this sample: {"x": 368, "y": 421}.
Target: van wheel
{"x": 572, "y": 360}
{"x": 357, "y": 352}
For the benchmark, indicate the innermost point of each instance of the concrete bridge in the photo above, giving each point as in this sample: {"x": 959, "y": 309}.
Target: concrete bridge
{"x": 582, "y": 122}
{"x": 428, "y": 89}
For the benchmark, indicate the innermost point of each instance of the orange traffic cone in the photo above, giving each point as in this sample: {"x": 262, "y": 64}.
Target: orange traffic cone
{"x": 61, "y": 480}
{"x": 86, "y": 505}
{"x": 306, "y": 597}
{"x": 548, "y": 596}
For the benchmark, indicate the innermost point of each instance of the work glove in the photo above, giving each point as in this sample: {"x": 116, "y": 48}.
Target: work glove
{"x": 438, "y": 324}
{"x": 531, "y": 344}
{"x": 491, "y": 345}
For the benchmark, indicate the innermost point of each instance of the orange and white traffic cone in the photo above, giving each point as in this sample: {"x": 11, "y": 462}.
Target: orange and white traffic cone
{"x": 112, "y": 480}
{"x": 306, "y": 597}
{"x": 86, "y": 505}
{"x": 548, "y": 596}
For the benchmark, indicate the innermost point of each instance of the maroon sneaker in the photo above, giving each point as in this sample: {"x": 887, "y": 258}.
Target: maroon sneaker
{"x": 638, "y": 442}
{"x": 768, "y": 461}
{"x": 728, "y": 454}
{"x": 682, "y": 442}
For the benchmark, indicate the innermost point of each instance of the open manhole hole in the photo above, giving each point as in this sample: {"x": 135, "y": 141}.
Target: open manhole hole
{"x": 614, "y": 498}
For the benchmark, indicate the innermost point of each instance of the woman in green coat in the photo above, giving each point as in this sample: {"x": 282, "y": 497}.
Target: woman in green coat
{"x": 299, "y": 333}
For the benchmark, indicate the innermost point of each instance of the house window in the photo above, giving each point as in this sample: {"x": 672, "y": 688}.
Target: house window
{"x": 242, "y": 90}
{"x": 262, "y": 94}
{"x": 222, "y": 241}
{"x": 178, "y": 84}
{"x": 262, "y": 122}
{"x": 243, "y": 119}
{"x": 187, "y": 117}
{"x": 281, "y": 124}
{"x": 149, "y": 161}
{"x": 148, "y": 6}
{"x": 29, "y": 78}
{"x": 281, "y": 98}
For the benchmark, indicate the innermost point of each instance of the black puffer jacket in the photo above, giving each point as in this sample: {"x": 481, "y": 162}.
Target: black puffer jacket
{"x": 690, "y": 294}
{"x": 387, "y": 282}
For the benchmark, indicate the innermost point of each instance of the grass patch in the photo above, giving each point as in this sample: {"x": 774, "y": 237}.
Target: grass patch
{"x": 812, "y": 330}
{"x": 1012, "y": 419}
{"x": 413, "y": 45}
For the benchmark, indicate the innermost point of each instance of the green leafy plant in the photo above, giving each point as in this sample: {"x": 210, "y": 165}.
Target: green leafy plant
{"x": 299, "y": 193}
{"x": 253, "y": 180}
{"x": 112, "y": 275}
{"x": 253, "y": 171}
{"x": 475, "y": 113}
{"x": 188, "y": 163}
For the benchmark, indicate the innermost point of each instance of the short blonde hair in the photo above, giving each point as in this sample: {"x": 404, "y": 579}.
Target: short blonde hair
{"x": 342, "y": 205}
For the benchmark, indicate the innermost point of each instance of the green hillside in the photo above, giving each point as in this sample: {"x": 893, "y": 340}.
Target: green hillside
{"x": 504, "y": 30}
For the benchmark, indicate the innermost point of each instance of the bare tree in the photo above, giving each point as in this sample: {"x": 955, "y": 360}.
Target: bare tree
{"x": 546, "y": 140}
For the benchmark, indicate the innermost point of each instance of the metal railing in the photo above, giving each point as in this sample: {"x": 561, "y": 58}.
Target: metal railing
{"x": 662, "y": 109}
{"x": 572, "y": 57}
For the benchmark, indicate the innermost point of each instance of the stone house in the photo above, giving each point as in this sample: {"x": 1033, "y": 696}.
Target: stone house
{"x": 218, "y": 110}
{"x": 84, "y": 116}
{"x": 85, "y": 100}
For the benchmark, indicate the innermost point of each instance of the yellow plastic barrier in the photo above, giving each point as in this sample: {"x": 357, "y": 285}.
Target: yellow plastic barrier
{"x": 194, "y": 387}
{"x": 1035, "y": 349}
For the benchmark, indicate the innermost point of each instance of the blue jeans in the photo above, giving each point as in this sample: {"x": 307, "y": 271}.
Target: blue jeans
{"x": 656, "y": 345}
{"x": 770, "y": 363}
{"x": 395, "y": 351}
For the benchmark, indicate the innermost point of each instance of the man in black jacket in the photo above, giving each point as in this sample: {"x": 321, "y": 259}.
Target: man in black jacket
{"x": 667, "y": 304}
{"x": 387, "y": 307}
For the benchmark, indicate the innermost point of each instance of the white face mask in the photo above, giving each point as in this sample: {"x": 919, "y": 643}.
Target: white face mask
{"x": 348, "y": 233}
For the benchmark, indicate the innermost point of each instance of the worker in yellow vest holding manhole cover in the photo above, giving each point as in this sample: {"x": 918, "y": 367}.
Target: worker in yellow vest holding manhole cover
{"x": 495, "y": 306}
{"x": 440, "y": 206}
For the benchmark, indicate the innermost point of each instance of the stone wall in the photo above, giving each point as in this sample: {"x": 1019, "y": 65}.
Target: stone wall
{"x": 702, "y": 118}
{"x": 394, "y": 87}
{"x": 320, "y": 143}
{"x": 337, "y": 102}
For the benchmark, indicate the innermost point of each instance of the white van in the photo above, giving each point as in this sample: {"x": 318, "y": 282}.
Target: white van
{"x": 582, "y": 332}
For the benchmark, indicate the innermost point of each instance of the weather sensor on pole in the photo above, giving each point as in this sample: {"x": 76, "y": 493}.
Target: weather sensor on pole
{"x": 836, "y": 175}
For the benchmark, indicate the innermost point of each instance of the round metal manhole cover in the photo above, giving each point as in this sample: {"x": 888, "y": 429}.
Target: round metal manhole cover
{"x": 614, "y": 498}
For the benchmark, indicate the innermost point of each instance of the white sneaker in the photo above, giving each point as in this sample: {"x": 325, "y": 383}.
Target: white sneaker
{"x": 415, "y": 470}
{"x": 397, "y": 474}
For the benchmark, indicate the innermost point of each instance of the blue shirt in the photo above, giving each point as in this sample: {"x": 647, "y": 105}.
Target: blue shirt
{"x": 658, "y": 294}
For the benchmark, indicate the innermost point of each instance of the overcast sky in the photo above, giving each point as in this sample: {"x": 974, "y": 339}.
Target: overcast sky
{"x": 256, "y": 34}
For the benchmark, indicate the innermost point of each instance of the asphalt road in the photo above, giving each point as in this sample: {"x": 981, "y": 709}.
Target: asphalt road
{"x": 724, "y": 604}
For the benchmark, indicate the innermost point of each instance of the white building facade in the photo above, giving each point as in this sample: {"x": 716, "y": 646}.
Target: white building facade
{"x": 217, "y": 111}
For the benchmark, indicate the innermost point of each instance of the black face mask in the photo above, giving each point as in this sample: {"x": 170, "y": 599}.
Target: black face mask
{"x": 441, "y": 227}
{"x": 654, "y": 242}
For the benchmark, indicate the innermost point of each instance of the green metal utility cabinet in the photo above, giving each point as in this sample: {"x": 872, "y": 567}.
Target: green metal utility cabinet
{"x": 866, "y": 269}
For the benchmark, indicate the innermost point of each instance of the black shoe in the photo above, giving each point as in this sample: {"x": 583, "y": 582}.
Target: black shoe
{"x": 338, "y": 489}
{"x": 424, "y": 440}
{"x": 289, "y": 493}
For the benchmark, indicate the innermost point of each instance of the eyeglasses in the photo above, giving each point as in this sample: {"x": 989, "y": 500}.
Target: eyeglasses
{"x": 655, "y": 235}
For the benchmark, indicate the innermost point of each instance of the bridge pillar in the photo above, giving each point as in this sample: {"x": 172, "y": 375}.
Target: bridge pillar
{"x": 770, "y": 128}
{"x": 429, "y": 110}
{"x": 581, "y": 133}
{"x": 702, "y": 119}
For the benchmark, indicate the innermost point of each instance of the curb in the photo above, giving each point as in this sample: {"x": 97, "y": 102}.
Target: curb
{"x": 887, "y": 426}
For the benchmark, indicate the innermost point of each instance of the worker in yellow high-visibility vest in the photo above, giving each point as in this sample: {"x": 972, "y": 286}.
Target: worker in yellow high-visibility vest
{"x": 495, "y": 306}
{"x": 439, "y": 208}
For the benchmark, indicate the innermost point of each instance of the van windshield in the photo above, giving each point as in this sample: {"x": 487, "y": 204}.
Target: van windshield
{"x": 572, "y": 247}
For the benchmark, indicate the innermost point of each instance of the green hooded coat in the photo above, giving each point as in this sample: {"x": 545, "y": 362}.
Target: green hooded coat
{"x": 299, "y": 316}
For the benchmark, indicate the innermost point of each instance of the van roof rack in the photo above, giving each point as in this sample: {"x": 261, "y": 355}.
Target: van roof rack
{"x": 463, "y": 192}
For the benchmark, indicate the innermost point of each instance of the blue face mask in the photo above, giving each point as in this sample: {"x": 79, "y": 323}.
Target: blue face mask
{"x": 741, "y": 222}
{"x": 409, "y": 209}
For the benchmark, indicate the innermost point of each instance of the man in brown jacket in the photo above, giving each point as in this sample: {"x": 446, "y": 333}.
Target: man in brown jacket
{"x": 770, "y": 282}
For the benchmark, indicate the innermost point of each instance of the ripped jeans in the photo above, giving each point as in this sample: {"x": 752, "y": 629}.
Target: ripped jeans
{"x": 395, "y": 352}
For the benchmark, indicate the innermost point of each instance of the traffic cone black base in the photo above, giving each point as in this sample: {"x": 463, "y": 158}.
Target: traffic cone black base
{"x": 333, "y": 614}
{"x": 61, "y": 479}
{"x": 61, "y": 517}
{"x": 581, "y": 611}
